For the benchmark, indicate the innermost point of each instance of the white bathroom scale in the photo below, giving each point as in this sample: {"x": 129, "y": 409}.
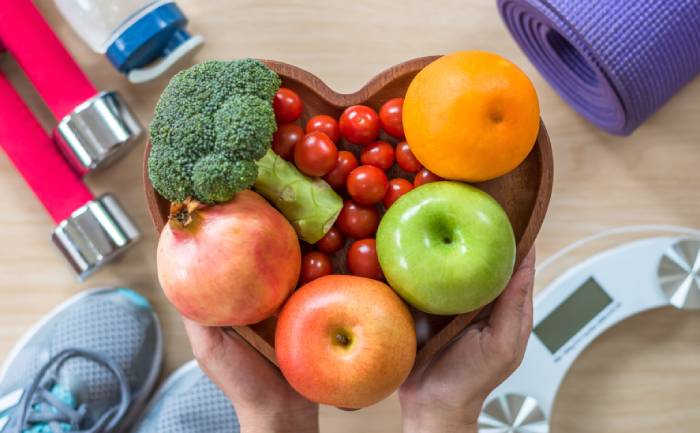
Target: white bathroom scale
{"x": 579, "y": 305}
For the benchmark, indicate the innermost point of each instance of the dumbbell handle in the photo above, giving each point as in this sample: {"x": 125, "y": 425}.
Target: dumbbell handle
{"x": 36, "y": 157}
{"x": 46, "y": 62}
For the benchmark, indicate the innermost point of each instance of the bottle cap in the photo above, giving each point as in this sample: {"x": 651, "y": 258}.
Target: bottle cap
{"x": 95, "y": 234}
{"x": 159, "y": 34}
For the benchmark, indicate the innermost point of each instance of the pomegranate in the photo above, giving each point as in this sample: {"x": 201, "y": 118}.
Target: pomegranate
{"x": 229, "y": 264}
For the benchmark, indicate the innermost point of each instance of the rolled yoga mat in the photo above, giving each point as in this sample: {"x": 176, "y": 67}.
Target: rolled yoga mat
{"x": 615, "y": 61}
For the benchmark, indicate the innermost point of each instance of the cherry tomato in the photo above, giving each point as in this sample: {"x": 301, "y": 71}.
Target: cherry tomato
{"x": 287, "y": 105}
{"x": 314, "y": 265}
{"x": 397, "y": 188}
{"x": 331, "y": 242}
{"x": 359, "y": 124}
{"x": 405, "y": 158}
{"x": 315, "y": 154}
{"x": 379, "y": 154}
{"x": 286, "y": 138}
{"x": 357, "y": 221}
{"x": 346, "y": 163}
{"x": 362, "y": 259}
{"x": 425, "y": 176}
{"x": 324, "y": 123}
{"x": 367, "y": 184}
{"x": 391, "y": 117}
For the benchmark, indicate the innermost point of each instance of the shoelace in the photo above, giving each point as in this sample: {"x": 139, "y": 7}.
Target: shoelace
{"x": 40, "y": 406}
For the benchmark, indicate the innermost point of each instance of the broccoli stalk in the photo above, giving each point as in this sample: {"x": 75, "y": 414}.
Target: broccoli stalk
{"x": 211, "y": 136}
{"x": 310, "y": 204}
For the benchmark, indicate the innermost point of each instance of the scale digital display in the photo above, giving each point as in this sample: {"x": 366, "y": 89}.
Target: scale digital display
{"x": 572, "y": 315}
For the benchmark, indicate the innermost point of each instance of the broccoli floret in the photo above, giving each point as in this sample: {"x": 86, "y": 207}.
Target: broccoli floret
{"x": 168, "y": 175}
{"x": 244, "y": 127}
{"x": 218, "y": 177}
{"x": 211, "y": 125}
{"x": 251, "y": 77}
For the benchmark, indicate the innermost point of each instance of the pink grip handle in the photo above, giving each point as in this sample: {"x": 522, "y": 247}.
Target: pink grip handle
{"x": 36, "y": 157}
{"x": 30, "y": 40}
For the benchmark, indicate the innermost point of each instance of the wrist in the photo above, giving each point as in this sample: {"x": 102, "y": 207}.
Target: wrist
{"x": 434, "y": 417}
{"x": 433, "y": 424}
{"x": 260, "y": 420}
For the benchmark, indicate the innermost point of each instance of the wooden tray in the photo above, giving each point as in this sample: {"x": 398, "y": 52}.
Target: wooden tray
{"x": 524, "y": 193}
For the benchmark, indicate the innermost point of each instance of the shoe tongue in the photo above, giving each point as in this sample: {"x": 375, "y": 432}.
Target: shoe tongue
{"x": 72, "y": 384}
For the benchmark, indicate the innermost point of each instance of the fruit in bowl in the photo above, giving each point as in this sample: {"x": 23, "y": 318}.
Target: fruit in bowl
{"x": 345, "y": 341}
{"x": 366, "y": 129}
{"x": 230, "y": 264}
{"x": 471, "y": 116}
{"x": 447, "y": 248}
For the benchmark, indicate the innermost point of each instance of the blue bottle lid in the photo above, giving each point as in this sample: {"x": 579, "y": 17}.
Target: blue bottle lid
{"x": 153, "y": 36}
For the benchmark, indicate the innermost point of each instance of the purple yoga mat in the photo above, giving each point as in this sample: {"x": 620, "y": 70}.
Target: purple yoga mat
{"x": 615, "y": 61}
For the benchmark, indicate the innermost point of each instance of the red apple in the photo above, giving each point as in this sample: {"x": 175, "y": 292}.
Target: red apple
{"x": 345, "y": 341}
{"x": 233, "y": 263}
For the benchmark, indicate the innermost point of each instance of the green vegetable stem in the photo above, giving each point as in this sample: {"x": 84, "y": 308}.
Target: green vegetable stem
{"x": 310, "y": 204}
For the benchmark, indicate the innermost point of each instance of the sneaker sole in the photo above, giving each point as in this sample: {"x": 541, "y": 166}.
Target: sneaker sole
{"x": 149, "y": 385}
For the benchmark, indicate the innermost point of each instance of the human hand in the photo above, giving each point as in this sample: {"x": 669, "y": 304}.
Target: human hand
{"x": 264, "y": 401}
{"x": 447, "y": 395}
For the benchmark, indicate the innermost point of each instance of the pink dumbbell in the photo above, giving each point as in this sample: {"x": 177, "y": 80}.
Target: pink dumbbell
{"x": 90, "y": 231}
{"x": 93, "y": 129}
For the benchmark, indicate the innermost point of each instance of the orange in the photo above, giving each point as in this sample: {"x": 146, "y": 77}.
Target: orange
{"x": 471, "y": 116}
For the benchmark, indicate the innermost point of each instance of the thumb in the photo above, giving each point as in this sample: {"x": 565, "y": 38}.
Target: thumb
{"x": 514, "y": 306}
{"x": 207, "y": 342}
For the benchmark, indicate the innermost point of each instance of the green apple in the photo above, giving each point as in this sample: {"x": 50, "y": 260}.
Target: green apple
{"x": 446, "y": 248}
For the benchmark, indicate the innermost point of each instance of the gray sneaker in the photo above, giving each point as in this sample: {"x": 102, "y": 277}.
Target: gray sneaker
{"x": 188, "y": 402}
{"x": 88, "y": 366}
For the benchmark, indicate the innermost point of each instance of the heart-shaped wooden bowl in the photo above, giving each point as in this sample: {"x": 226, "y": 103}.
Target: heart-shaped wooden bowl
{"x": 524, "y": 193}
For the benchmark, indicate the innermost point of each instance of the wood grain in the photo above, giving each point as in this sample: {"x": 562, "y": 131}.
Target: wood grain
{"x": 524, "y": 193}
{"x": 641, "y": 377}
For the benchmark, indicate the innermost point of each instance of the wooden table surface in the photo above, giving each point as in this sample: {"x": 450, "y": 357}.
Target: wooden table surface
{"x": 639, "y": 377}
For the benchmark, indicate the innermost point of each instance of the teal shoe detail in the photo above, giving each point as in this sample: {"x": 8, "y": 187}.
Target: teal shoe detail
{"x": 64, "y": 396}
{"x": 138, "y": 299}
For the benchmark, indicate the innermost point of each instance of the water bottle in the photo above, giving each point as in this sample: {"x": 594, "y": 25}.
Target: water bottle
{"x": 142, "y": 38}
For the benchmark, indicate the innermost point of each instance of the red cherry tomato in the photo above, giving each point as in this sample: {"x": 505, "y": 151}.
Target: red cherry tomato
{"x": 405, "y": 158}
{"x": 314, "y": 265}
{"x": 359, "y": 124}
{"x": 397, "y": 188}
{"x": 346, "y": 163}
{"x": 315, "y": 154}
{"x": 391, "y": 117}
{"x": 287, "y": 105}
{"x": 379, "y": 154}
{"x": 362, "y": 259}
{"x": 324, "y": 123}
{"x": 367, "y": 184}
{"x": 286, "y": 138}
{"x": 425, "y": 176}
{"x": 331, "y": 242}
{"x": 357, "y": 221}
